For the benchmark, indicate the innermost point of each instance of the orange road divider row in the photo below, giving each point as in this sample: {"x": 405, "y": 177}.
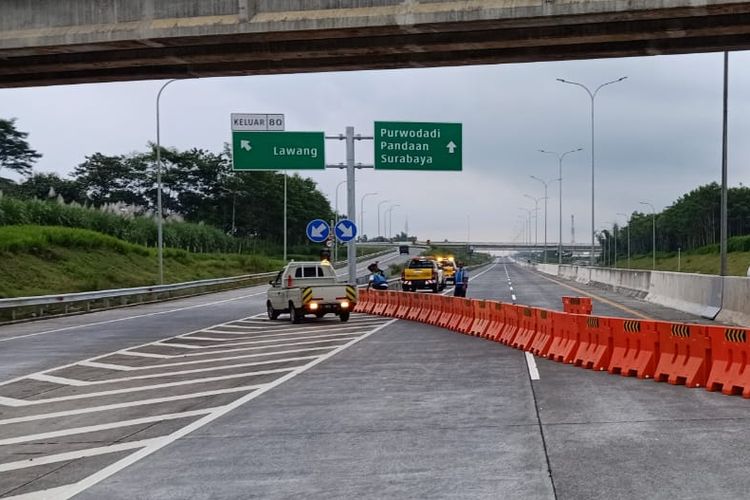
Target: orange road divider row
{"x": 714, "y": 357}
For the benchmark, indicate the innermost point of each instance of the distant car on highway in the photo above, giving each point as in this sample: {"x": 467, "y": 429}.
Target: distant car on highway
{"x": 448, "y": 265}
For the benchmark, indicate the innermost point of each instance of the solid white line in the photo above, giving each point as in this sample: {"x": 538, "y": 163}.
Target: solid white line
{"x": 56, "y": 380}
{"x": 103, "y": 427}
{"x": 137, "y": 354}
{"x": 223, "y": 358}
{"x": 74, "y": 455}
{"x": 106, "y": 366}
{"x": 157, "y": 445}
{"x": 186, "y": 372}
{"x": 251, "y": 342}
{"x": 531, "y": 364}
{"x": 48, "y": 494}
{"x": 129, "y": 404}
{"x": 109, "y": 321}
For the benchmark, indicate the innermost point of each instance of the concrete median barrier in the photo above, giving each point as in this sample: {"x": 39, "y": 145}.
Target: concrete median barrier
{"x": 692, "y": 293}
{"x": 735, "y": 307}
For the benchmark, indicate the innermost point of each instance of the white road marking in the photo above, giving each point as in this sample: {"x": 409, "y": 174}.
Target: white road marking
{"x": 32, "y": 402}
{"x": 106, "y": 366}
{"x": 279, "y": 342}
{"x": 73, "y": 455}
{"x": 56, "y": 380}
{"x": 129, "y": 404}
{"x": 182, "y": 372}
{"x": 157, "y": 444}
{"x": 199, "y": 361}
{"x": 138, "y": 354}
{"x": 137, "y": 316}
{"x": 103, "y": 427}
{"x": 531, "y": 363}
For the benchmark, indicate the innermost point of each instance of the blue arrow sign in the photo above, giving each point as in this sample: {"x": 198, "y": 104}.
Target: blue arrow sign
{"x": 318, "y": 230}
{"x": 345, "y": 230}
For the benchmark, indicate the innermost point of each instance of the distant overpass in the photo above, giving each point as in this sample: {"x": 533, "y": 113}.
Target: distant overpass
{"x": 48, "y": 42}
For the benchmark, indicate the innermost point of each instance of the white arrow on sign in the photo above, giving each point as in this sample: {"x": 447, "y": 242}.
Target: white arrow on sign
{"x": 451, "y": 147}
{"x": 346, "y": 231}
{"x": 317, "y": 232}
{"x": 245, "y": 145}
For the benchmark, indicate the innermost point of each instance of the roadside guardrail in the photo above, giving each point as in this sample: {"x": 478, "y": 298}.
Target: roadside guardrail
{"x": 29, "y": 308}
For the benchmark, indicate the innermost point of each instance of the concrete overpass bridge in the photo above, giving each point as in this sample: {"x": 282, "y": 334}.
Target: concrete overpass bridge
{"x": 48, "y": 42}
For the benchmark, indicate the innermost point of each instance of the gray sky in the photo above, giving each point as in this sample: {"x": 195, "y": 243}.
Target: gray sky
{"x": 658, "y": 133}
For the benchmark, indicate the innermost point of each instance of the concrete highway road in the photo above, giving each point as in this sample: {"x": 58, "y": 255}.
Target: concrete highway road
{"x": 206, "y": 398}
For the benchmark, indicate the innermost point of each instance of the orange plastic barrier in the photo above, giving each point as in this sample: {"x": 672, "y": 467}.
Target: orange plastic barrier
{"x": 526, "y": 328}
{"x": 447, "y": 311}
{"x": 577, "y": 305}
{"x": 467, "y": 314}
{"x": 380, "y": 301}
{"x": 457, "y": 314}
{"x": 684, "y": 354}
{"x": 566, "y": 338}
{"x": 427, "y": 306}
{"x": 437, "y": 306}
{"x": 415, "y": 305}
{"x": 481, "y": 318}
{"x": 497, "y": 320}
{"x": 393, "y": 300}
{"x": 361, "y": 304}
{"x": 730, "y": 352}
{"x": 595, "y": 347}
{"x": 511, "y": 324}
{"x": 546, "y": 321}
{"x": 403, "y": 305}
{"x": 635, "y": 347}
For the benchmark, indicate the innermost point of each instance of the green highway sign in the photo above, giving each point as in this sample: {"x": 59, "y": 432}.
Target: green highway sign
{"x": 418, "y": 146}
{"x": 278, "y": 150}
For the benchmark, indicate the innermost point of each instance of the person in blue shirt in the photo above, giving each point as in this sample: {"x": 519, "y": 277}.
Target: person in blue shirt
{"x": 462, "y": 281}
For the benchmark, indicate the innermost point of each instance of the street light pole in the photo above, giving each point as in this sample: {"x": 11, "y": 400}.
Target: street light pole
{"x": 560, "y": 158}
{"x": 592, "y": 95}
{"x": 390, "y": 218}
{"x": 527, "y": 223}
{"x": 160, "y": 214}
{"x": 536, "y": 218}
{"x": 625, "y": 215}
{"x": 362, "y": 212}
{"x": 653, "y": 235}
{"x": 379, "y": 204}
{"x": 545, "y": 212}
{"x": 336, "y": 221}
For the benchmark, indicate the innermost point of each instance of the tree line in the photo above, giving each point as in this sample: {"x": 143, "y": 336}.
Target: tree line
{"x": 691, "y": 222}
{"x": 199, "y": 186}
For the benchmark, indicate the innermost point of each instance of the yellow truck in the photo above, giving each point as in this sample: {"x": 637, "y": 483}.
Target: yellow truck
{"x": 422, "y": 273}
{"x": 448, "y": 265}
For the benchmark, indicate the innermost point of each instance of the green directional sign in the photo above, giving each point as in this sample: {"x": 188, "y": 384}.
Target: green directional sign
{"x": 418, "y": 146}
{"x": 278, "y": 150}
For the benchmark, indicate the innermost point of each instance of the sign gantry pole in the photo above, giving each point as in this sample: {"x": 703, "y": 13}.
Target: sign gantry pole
{"x": 351, "y": 203}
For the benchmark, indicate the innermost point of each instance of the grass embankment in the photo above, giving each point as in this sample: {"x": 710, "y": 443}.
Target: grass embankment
{"x": 737, "y": 263}
{"x": 39, "y": 260}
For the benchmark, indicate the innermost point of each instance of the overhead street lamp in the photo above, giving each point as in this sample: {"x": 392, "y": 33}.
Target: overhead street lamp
{"x": 160, "y": 213}
{"x": 536, "y": 217}
{"x": 592, "y": 95}
{"x": 653, "y": 233}
{"x": 389, "y": 210}
{"x": 614, "y": 231}
{"x": 379, "y": 205}
{"x": 545, "y": 211}
{"x": 527, "y": 229}
{"x": 362, "y": 212}
{"x": 560, "y": 158}
{"x": 626, "y": 215}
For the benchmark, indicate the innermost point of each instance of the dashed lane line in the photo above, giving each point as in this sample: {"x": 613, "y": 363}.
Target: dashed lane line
{"x": 531, "y": 364}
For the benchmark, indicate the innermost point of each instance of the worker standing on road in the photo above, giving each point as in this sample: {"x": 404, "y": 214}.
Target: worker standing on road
{"x": 462, "y": 281}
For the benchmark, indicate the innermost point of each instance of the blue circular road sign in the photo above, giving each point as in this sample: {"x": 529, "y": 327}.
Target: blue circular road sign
{"x": 345, "y": 230}
{"x": 318, "y": 230}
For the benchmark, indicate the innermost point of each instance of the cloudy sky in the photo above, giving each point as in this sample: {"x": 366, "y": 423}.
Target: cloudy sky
{"x": 658, "y": 133}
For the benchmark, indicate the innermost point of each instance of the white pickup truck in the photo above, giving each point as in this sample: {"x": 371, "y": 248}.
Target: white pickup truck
{"x": 309, "y": 288}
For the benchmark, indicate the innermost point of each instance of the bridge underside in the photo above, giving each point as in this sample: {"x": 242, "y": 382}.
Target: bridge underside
{"x": 410, "y": 34}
